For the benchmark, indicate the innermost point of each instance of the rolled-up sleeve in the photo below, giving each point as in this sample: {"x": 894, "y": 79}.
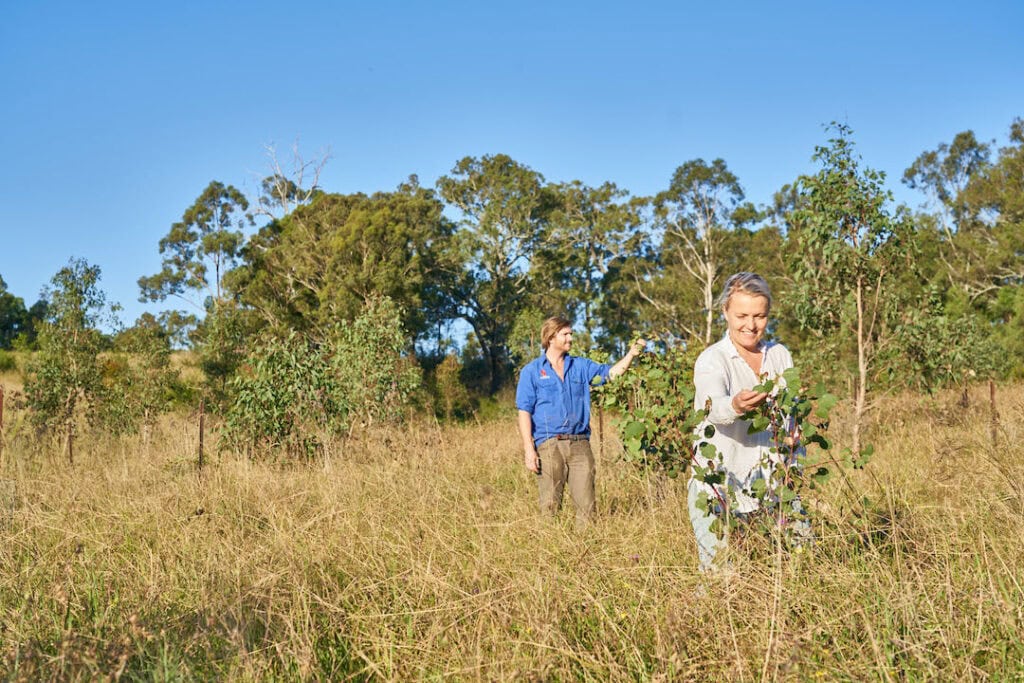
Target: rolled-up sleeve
{"x": 526, "y": 394}
{"x": 710, "y": 381}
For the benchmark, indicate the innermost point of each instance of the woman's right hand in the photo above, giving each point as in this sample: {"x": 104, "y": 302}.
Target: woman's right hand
{"x": 747, "y": 400}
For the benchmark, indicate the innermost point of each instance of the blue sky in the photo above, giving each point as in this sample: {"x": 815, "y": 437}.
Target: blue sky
{"x": 116, "y": 115}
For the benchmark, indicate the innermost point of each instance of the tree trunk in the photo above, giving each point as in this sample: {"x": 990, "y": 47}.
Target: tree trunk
{"x": 709, "y": 297}
{"x": 71, "y": 441}
{"x": 494, "y": 358}
{"x": 860, "y": 392}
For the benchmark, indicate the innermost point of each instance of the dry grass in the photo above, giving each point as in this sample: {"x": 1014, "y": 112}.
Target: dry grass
{"x": 418, "y": 554}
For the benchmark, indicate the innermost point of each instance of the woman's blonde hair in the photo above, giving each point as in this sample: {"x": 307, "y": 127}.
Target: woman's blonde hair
{"x": 748, "y": 283}
{"x": 550, "y": 328}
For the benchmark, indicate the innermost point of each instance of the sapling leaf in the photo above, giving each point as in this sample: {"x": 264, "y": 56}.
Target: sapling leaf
{"x": 634, "y": 429}
{"x": 759, "y": 488}
{"x": 758, "y": 424}
{"x": 825, "y": 404}
{"x": 708, "y": 451}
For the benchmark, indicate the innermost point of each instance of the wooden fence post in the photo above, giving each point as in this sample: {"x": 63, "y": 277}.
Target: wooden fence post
{"x": 202, "y": 419}
{"x": 71, "y": 441}
{"x": 1, "y": 422}
{"x": 994, "y": 412}
{"x": 600, "y": 430}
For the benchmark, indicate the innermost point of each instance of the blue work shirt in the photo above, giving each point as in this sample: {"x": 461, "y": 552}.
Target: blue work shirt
{"x": 558, "y": 406}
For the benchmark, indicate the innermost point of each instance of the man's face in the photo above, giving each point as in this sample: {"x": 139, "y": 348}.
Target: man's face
{"x": 562, "y": 341}
{"x": 747, "y": 317}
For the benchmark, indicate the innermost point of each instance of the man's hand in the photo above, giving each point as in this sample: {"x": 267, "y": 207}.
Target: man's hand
{"x": 531, "y": 461}
{"x": 747, "y": 400}
{"x": 635, "y": 349}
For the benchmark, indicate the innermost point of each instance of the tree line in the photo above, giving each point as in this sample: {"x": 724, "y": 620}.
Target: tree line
{"x": 869, "y": 294}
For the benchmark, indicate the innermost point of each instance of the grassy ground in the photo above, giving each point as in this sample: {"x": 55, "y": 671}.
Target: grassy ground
{"x": 417, "y": 554}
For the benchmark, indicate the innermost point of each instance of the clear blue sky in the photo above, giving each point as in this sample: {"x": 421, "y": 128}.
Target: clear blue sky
{"x": 115, "y": 115}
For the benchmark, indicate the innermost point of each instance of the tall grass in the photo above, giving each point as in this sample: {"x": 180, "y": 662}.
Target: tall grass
{"x": 418, "y": 554}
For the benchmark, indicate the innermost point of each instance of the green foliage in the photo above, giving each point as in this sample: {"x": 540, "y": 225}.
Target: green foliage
{"x": 450, "y": 394}
{"x": 64, "y": 377}
{"x": 284, "y": 398}
{"x": 138, "y": 378}
{"x": 657, "y": 413}
{"x": 18, "y": 325}
{"x": 849, "y": 252}
{"x": 578, "y": 269}
{"x": 524, "y": 339}
{"x": 323, "y": 261}
{"x": 200, "y": 248}
{"x": 371, "y": 364}
{"x": 221, "y": 341}
{"x": 694, "y": 217}
{"x": 797, "y": 418}
{"x": 8, "y": 363}
{"x": 504, "y": 209}
{"x": 12, "y": 316}
{"x": 292, "y": 393}
{"x": 932, "y": 349}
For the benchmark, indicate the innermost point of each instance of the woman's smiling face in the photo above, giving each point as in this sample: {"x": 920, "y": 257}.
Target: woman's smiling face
{"x": 747, "y": 318}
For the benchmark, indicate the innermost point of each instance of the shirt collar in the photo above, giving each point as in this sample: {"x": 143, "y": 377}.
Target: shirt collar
{"x": 733, "y": 352}
{"x": 544, "y": 360}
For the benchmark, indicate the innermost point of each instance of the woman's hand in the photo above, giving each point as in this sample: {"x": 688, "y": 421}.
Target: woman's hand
{"x": 747, "y": 400}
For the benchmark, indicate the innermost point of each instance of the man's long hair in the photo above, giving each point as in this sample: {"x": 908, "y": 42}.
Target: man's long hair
{"x": 550, "y": 328}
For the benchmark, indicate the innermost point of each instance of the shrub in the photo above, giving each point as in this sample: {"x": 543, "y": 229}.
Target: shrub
{"x": 290, "y": 393}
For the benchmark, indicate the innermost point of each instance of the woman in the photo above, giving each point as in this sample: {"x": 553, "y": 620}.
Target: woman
{"x": 725, "y": 374}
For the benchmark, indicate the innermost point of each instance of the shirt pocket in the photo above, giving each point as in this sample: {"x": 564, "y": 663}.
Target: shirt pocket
{"x": 577, "y": 388}
{"x": 548, "y": 390}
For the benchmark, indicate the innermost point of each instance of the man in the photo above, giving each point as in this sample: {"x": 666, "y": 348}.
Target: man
{"x": 553, "y": 398}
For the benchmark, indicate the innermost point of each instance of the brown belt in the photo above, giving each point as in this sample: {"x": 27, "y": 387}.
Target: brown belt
{"x": 572, "y": 437}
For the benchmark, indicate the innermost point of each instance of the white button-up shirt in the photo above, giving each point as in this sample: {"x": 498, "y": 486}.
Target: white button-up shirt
{"x": 719, "y": 374}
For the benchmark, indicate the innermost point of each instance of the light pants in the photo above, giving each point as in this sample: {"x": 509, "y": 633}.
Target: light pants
{"x": 567, "y": 462}
{"x": 708, "y": 544}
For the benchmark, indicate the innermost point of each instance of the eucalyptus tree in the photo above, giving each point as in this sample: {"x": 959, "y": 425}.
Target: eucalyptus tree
{"x": 850, "y": 249}
{"x": 592, "y": 231}
{"x": 285, "y": 189}
{"x": 693, "y": 217}
{"x": 993, "y": 242}
{"x": 64, "y": 377}
{"x": 503, "y": 209}
{"x": 944, "y": 172}
{"x": 198, "y": 252}
{"x": 200, "y": 249}
{"x": 326, "y": 260}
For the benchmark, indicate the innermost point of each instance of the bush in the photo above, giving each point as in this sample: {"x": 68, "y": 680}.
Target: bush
{"x": 7, "y": 361}
{"x": 291, "y": 393}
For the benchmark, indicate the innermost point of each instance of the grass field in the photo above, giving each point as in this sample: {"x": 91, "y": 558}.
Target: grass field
{"x": 416, "y": 553}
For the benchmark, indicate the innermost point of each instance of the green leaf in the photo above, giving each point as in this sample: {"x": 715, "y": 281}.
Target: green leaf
{"x": 758, "y": 424}
{"x": 634, "y": 430}
{"x": 759, "y": 487}
{"x": 825, "y": 404}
